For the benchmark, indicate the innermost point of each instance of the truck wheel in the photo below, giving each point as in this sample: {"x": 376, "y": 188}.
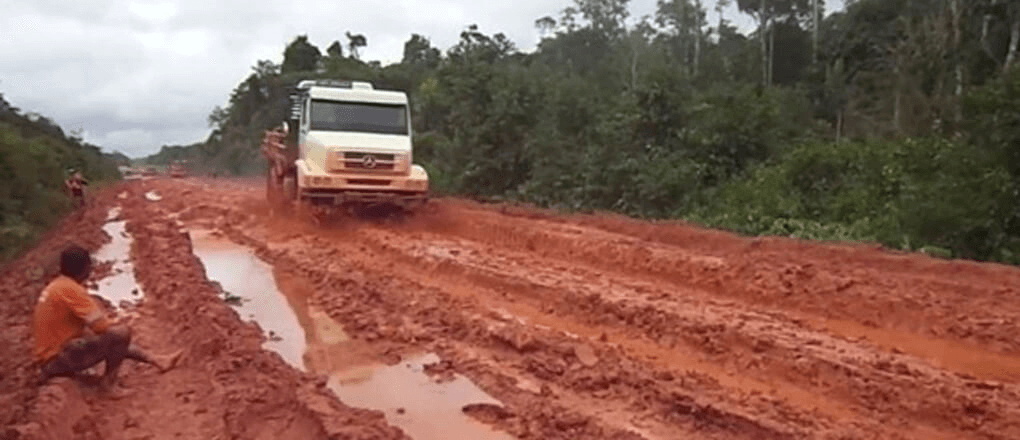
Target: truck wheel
{"x": 273, "y": 193}
{"x": 270, "y": 194}
{"x": 290, "y": 188}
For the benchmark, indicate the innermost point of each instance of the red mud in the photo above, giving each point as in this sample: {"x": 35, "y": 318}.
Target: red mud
{"x": 225, "y": 386}
{"x": 584, "y": 327}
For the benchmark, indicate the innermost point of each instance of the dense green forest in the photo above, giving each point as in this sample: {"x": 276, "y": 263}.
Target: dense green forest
{"x": 895, "y": 121}
{"x": 35, "y": 155}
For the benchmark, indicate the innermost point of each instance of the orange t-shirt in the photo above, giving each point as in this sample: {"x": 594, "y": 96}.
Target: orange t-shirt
{"x": 63, "y": 310}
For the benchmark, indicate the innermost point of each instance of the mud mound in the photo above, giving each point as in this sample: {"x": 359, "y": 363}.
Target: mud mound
{"x": 23, "y": 281}
{"x": 225, "y": 386}
{"x": 581, "y": 326}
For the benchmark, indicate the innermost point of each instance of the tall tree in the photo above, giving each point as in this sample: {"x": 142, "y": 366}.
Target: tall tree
{"x": 639, "y": 37}
{"x": 684, "y": 19}
{"x": 766, "y": 12}
{"x": 1014, "y": 36}
{"x": 814, "y": 31}
{"x": 759, "y": 10}
{"x": 301, "y": 56}
{"x": 607, "y": 17}
{"x": 720, "y": 8}
{"x": 265, "y": 69}
{"x": 335, "y": 50}
{"x": 354, "y": 43}
{"x": 419, "y": 51}
{"x": 954, "y": 6}
{"x": 699, "y": 24}
{"x": 545, "y": 25}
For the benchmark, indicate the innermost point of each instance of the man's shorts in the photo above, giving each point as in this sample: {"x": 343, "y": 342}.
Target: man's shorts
{"x": 78, "y": 354}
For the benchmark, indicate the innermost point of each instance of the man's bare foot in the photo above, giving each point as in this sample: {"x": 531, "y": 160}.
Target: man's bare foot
{"x": 108, "y": 388}
{"x": 113, "y": 392}
{"x": 169, "y": 362}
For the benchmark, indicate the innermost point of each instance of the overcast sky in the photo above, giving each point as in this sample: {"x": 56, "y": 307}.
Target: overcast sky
{"x": 135, "y": 75}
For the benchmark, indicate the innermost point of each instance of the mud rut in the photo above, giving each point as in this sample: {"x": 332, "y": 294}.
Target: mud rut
{"x": 584, "y": 327}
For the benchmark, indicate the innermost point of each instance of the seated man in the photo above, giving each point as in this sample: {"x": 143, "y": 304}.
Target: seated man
{"x": 64, "y": 310}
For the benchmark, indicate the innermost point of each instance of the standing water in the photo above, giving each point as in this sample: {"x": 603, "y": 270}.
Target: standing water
{"x": 309, "y": 339}
{"x": 120, "y": 286}
{"x": 242, "y": 274}
{"x": 424, "y": 409}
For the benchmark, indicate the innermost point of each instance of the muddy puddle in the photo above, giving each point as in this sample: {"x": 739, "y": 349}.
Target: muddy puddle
{"x": 311, "y": 340}
{"x": 412, "y": 401}
{"x": 119, "y": 287}
{"x": 248, "y": 285}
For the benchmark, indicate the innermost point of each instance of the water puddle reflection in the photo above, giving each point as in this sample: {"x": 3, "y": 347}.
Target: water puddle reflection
{"x": 311, "y": 340}
{"x": 412, "y": 401}
{"x": 120, "y": 287}
{"x": 248, "y": 285}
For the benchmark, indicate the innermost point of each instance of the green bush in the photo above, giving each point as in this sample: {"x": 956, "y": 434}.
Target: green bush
{"x": 34, "y": 158}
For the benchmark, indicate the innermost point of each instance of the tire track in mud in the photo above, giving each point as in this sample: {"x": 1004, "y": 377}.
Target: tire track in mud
{"x": 24, "y": 404}
{"x": 772, "y": 353}
{"x": 257, "y": 394}
{"x": 708, "y": 412}
{"x": 967, "y": 301}
{"x": 225, "y": 386}
{"x": 698, "y": 357}
{"x": 379, "y": 308}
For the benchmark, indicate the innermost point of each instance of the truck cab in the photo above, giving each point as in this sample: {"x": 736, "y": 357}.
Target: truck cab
{"x": 178, "y": 168}
{"x": 354, "y": 145}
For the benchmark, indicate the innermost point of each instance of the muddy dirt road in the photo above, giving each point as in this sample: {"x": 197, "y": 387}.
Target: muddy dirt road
{"x": 492, "y": 322}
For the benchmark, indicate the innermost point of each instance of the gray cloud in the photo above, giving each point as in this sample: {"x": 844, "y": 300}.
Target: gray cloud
{"x": 138, "y": 74}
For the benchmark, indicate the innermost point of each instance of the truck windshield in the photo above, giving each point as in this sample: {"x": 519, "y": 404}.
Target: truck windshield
{"x": 359, "y": 116}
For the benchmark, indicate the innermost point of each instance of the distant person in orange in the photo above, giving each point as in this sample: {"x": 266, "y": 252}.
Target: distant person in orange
{"x": 73, "y": 334}
{"x": 76, "y": 187}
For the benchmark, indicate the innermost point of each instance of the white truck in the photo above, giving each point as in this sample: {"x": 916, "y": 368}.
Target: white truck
{"x": 347, "y": 144}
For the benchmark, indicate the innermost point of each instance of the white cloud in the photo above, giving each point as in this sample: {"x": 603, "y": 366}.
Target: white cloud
{"x": 138, "y": 74}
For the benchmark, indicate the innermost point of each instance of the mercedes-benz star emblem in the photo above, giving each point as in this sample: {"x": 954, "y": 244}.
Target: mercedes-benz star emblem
{"x": 368, "y": 161}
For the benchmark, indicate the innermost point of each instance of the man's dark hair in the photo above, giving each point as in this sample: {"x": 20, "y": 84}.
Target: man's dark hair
{"x": 75, "y": 262}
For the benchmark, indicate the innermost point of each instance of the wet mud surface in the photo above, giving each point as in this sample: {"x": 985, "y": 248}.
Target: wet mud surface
{"x": 226, "y": 385}
{"x": 519, "y": 323}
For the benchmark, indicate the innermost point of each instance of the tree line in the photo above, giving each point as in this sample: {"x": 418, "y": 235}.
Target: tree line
{"x": 892, "y": 120}
{"x": 35, "y": 156}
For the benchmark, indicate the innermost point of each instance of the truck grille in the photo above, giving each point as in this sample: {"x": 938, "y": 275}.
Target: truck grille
{"x": 368, "y": 161}
{"x": 368, "y": 182}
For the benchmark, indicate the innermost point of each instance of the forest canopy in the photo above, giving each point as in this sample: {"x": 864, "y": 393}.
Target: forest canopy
{"x": 895, "y": 121}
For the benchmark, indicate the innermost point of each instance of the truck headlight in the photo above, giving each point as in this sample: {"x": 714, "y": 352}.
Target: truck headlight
{"x": 403, "y": 162}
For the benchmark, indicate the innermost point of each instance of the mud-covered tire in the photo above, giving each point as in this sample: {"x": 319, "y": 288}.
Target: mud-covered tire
{"x": 272, "y": 196}
{"x": 290, "y": 189}
{"x": 418, "y": 206}
{"x": 276, "y": 195}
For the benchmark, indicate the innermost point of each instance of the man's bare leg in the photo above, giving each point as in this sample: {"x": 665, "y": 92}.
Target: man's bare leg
{"x": 113, "y": 347}
{"x": 77, "y": 356}
{"x": 163, "y": 363}
{"x": 118, "y": 342}
{"x": 120, "y": 349}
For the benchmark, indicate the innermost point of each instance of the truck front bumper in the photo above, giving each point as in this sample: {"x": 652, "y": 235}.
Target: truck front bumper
{"x": 344, "y": 188}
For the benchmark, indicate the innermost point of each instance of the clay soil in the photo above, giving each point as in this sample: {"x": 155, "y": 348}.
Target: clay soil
{"x": 583, "y": 326}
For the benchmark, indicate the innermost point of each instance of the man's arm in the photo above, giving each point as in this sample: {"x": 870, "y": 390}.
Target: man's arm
{"x": 87, "y": 310}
